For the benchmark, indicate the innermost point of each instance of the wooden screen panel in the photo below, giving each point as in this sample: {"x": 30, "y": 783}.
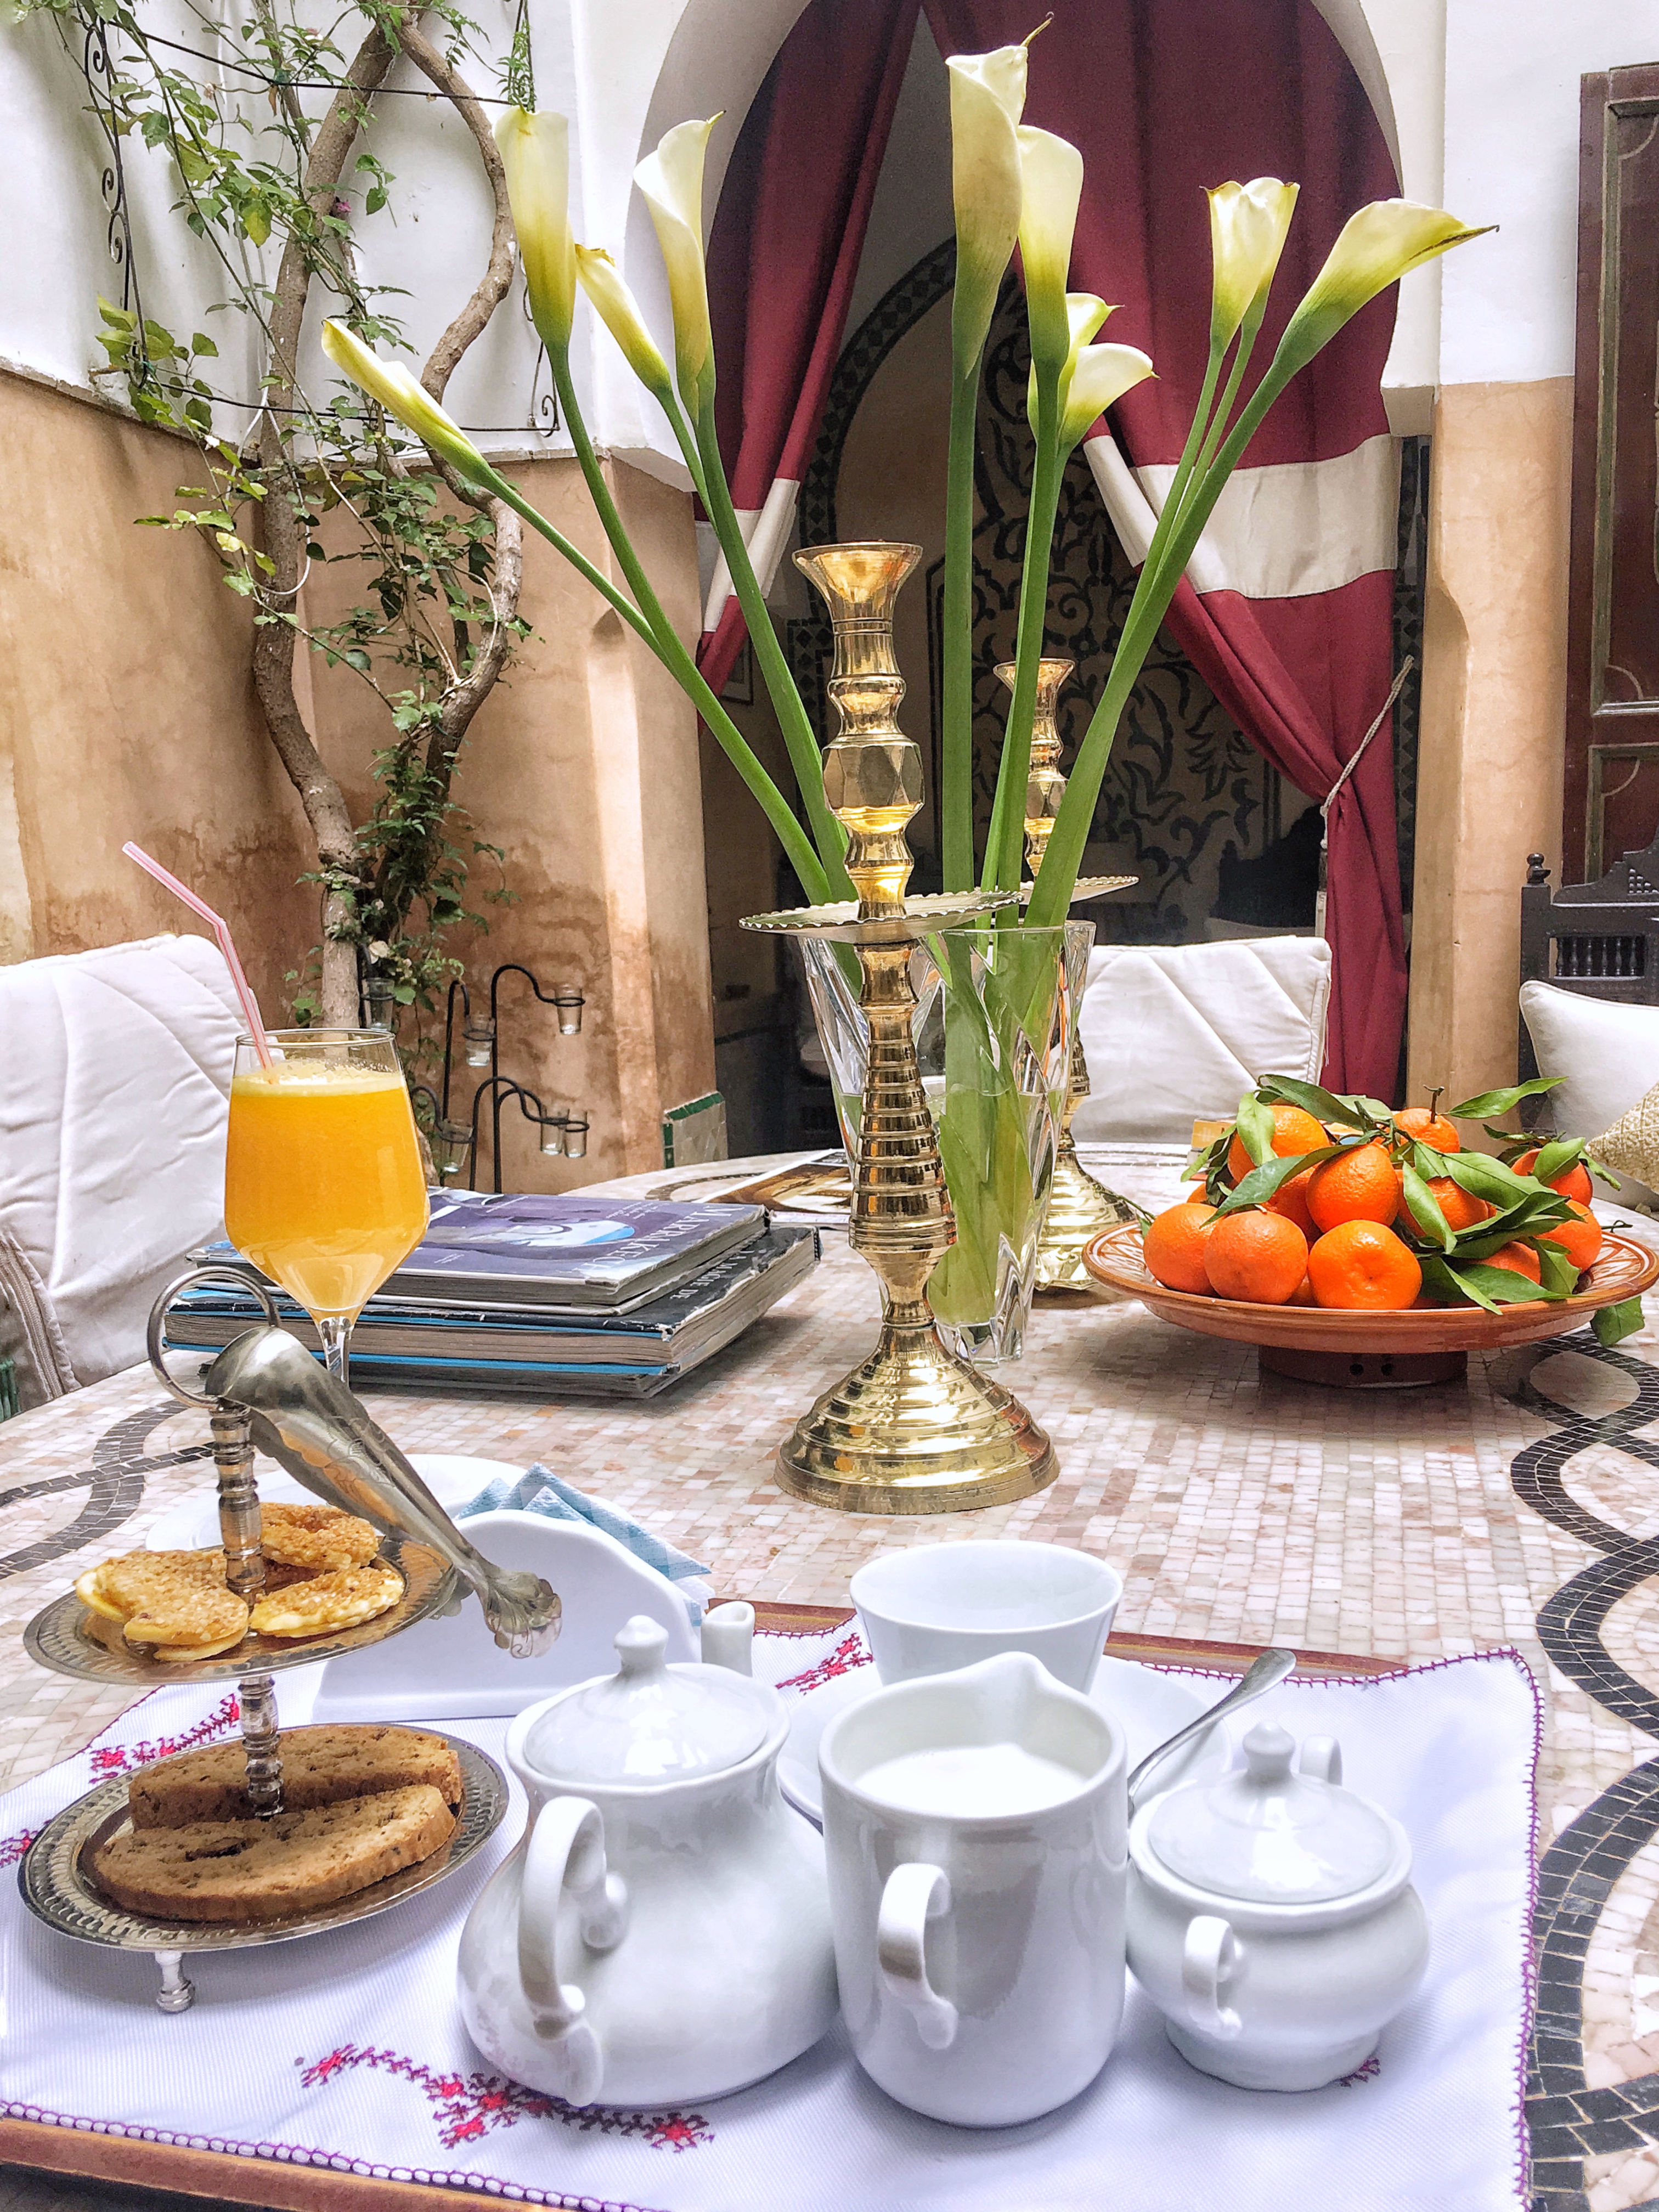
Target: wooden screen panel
{"x": 1611, "y": 796}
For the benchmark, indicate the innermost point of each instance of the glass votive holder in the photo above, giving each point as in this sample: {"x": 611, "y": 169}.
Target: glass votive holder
{"x": 552, "y": 1137}
{"x": 570, "y": 1003}
{"x": 575, "y": 1133}
{"x": 450, "y": 1146}
{"x": 479, "y": 1039}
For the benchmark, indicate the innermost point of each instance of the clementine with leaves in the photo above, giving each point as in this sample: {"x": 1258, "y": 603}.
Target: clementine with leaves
{"x": 1172, "y": 1245}
{"x": 1572, "y": 1182}
{"x": 1295, "y": 1131}
{"x": 1460, "y": 1207}
{"x": 1581, "y": 1239}
{"x": 1427, "y": 1127}
{"x": 1363, "y": 1264}
{"x": 1520, "y": 1259}
{"x": 1362, "y": 1184}
{"x": 1256, "y": 1255}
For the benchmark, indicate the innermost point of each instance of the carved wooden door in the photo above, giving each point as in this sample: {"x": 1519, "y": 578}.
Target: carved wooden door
{"x": 1611, "y": 798}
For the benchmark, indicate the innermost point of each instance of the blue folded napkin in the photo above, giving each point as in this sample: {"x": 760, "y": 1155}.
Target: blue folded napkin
{"x": 539, "y": 1490}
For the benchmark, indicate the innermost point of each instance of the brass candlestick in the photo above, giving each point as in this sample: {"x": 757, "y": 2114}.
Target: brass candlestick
{"x": 1079, "y": 1208}
{"x": 913, "y": 1429}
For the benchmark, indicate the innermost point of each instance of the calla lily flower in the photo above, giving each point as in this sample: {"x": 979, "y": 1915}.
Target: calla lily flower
{"x": 987, "y": 97}
{"x": 671, "y": 180}
{"x": 1084, "y": 314}
{"x": 1248, "y": 228}
{"x": 1377, "y": 247}
{"x": 1102, "y": 376}
{"x": 536, "y": 155}
{"x": 617, "y": 309}
{"x": 1052, "y": 186}
{"x": 411, "y": 403}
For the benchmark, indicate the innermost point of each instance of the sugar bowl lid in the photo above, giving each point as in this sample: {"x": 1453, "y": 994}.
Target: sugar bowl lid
{"x": 649, "y": 1721}
{"x": 1265, "y": 1836}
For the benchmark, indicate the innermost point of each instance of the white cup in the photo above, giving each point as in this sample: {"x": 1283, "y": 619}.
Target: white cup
{"x": 937, "y": 1606}
{"x": 976, "y": 1831}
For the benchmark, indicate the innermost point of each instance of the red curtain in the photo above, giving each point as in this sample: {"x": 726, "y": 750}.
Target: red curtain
{"x": 785, "y": 249}
{"x": 1162, "y": 97}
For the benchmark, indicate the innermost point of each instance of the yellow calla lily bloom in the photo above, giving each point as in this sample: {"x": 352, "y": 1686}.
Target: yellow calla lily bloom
{"x": 671, "y": 180}
{"x": 411, "y": 403}
{"x": 1051, "y": 172}
{"x": 536, "y": 155}
{"x": 618, "y": 310}
{"x": 1102, "y": 375}
{"x": 1377, "y": 247}
{"x": 987, "y": 97}
{"x": 1248, "y": 227}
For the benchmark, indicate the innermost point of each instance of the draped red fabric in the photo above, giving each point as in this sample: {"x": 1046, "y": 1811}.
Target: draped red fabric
{"x": 1164, "y": 97}
{"x": 786, "y": 245}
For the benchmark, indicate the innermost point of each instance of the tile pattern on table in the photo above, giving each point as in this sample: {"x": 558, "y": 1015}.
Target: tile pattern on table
{"x": 1513, "y": 1508}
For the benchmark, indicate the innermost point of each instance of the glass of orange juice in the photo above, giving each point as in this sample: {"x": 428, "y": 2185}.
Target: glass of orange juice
{"x": 323, "y": 1190}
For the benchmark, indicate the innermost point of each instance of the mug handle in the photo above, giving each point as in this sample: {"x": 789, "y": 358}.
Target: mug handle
{"x": 566, "y": 1852}
{"x": 916, "y": 1893}
{"x": 1211, "y": 1955}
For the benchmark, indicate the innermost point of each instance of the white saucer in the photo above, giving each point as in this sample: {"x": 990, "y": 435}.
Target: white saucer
{"x": 1150, "y": 1705}
{"x": 452, "y": 1477}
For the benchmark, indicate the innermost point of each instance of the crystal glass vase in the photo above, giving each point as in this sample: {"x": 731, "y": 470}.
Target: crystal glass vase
{"x": 992, "y": 1034}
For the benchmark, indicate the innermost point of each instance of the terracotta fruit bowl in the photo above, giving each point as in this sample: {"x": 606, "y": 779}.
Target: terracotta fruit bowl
{"x": 1364, "y": 1350}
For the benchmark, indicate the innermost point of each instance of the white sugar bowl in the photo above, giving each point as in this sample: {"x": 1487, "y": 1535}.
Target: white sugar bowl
{"x": 1272, "y": 1920}
{"x": 661, "y": 1934}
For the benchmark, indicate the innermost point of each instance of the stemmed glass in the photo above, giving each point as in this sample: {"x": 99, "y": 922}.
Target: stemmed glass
{"x": 323, "y": 1190}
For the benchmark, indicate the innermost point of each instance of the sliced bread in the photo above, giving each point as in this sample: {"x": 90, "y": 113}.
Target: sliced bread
{"x": 266, "y": 1869}
{"x": 320, "y": 1766}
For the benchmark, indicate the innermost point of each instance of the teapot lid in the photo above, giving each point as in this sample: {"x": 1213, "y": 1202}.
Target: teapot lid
{"x": 649, "y": 1721}
{"x": 1265, "y": 1836}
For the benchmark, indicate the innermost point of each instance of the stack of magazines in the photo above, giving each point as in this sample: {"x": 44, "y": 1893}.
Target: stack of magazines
{"x": 539, "y": 1296}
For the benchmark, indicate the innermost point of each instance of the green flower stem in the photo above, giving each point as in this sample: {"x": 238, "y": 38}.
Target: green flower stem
{"x": 956, "y": 794}
{"x": 669, "y": 650}
{"x": 1005, "y": 847}
{"x": 799, "y": 737}
{"x": 1057, "y": 878}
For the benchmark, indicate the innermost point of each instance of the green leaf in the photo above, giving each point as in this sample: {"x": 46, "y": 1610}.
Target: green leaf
{"x": 1486, "y": 1177}
{"x": 1261, "y": 1182}
{"x": 1255, "y": 1125}
{"x": 1555, "y": 1159}
{"x": 1366, "y": 1109}
{"x": 1614, "y": 1323}
{"x": 256, "y": 221}
{"x": 1560, "y": 1276}
{"x": 1324, "y": 1105}
{"x": 1502, "y": 1285}
{"x": 1503, "y": 1102}
{"x": 201, "y": 343}
{"x": 1454, "y": 1283}
{"x": 1424, "y": 1207}
{"x": 1429, "y": 1164}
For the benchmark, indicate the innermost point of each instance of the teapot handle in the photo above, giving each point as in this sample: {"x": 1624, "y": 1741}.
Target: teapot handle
{"x": 1211, "y": 1955}
{"x": 565, "y": 1851}
{"x": 1321, "y": 1757}
{"x": 914, "y": 1895}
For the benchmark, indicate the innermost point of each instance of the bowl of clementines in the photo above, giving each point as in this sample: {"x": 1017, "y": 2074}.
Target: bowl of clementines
{"x": 1361, "y": 1246}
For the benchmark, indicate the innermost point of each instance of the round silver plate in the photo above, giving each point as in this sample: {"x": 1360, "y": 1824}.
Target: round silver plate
{"x": 57, "y": 1887}
{"x": 71, "y": 1640}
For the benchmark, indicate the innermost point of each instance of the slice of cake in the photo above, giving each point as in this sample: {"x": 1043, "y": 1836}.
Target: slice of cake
{"x": 321, "y": 1766}
{"x": 266, "y": 1869}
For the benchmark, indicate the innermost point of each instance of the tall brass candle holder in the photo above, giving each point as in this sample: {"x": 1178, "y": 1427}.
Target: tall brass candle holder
{"x": 1079, "y": 1208}
{"x": 913, "y": 1429}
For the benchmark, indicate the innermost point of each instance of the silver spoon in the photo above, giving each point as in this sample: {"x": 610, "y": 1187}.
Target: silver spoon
{"x": 1263, "y": 1674}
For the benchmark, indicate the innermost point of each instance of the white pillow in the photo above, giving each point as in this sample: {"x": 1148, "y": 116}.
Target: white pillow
{"x": 1174, "y": 1033}
{"x": 1608, "y": 1053}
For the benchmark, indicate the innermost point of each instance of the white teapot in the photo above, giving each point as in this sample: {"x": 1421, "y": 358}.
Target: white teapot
{"x": 661, "y": 1934}
{"x": 1272, "y": 1920}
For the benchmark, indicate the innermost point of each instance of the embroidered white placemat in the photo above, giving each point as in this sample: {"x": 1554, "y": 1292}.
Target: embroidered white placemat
{"x": 346, "y": 2050}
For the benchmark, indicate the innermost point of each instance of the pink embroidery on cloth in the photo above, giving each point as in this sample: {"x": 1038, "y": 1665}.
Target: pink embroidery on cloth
{"x": 850, "y": 1652}
{"x": 467, "y": 2106}
{"x": 13, "y": 1848}
{"x": 1367, "y": 2070}
{"x": 110, "y": 1759}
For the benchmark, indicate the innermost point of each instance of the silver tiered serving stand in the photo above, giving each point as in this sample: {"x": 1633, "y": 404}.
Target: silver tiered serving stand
{"x": 266, "y": 1388}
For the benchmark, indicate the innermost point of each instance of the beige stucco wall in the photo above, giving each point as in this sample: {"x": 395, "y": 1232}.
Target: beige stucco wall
{"x": 126, "y": 711}
{"x": 1494, "y": 687}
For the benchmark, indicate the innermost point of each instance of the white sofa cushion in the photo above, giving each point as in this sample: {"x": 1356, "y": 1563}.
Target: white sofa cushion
{"x": 115, "y": 1069}
{"x": 1173, "y": 1033}
{"x": 1608, "y": 1054}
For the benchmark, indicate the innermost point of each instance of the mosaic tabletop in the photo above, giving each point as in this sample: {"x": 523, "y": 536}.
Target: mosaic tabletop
{"x": 1518, "y": 1509}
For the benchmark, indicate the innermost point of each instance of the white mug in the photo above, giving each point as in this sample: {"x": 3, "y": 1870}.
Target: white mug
{"x": 976, "y": 1830}
{"x": 937, "y": 1607}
